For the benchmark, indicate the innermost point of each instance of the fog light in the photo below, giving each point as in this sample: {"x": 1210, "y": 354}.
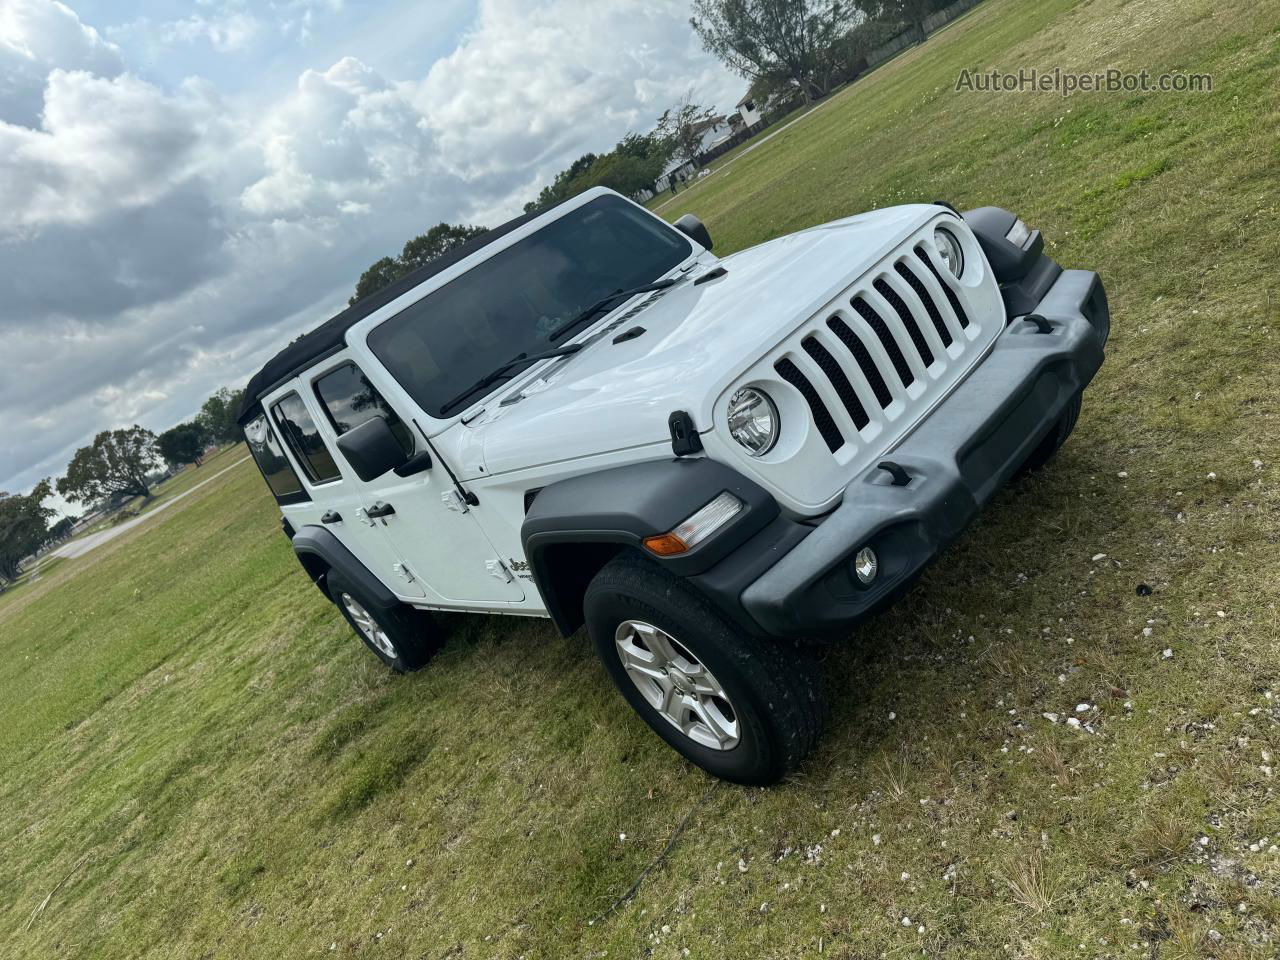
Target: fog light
{"x": 866, "y": 565}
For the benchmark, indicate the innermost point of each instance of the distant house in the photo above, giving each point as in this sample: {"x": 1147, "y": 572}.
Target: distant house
{"x": 713, "y": 132}
{"x": 749, "y": 110}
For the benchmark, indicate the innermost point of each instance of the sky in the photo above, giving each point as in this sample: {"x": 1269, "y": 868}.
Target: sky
{"x": 187, "y": 185}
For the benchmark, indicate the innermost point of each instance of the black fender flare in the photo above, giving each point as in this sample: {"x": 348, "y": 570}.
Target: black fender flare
{"x": 574, "y": 526}
{"x": 319, "y": 551}
{"x": 1026, "y": 273}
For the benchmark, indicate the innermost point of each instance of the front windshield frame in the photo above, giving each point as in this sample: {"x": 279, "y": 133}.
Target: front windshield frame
{"x": 560, "y": 273}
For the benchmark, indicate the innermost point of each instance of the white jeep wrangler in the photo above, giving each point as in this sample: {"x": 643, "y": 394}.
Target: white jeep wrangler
{"x": 586, "y": 415}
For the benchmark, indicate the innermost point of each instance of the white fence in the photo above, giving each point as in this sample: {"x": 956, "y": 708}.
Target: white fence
{"x": 947, "y": 14}
{"x": 916, "y": 34}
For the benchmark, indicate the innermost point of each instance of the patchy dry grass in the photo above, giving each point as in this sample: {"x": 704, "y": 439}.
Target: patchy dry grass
{"x": 183, "y": 711}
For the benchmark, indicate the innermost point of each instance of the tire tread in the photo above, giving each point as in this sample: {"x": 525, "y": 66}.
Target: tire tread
{"x": 797, "y": 707}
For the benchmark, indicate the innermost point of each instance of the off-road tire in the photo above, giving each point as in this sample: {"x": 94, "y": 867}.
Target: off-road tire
{"x": 410, "y": 635}
{"x": 1053, "y": 440}
{"x": 773, "y": 686}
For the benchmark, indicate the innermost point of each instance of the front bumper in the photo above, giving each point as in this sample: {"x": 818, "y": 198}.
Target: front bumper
{"x": 957, "y": 458}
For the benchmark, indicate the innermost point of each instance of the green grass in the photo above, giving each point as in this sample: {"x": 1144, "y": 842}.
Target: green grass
{"x": 200, "y": 761}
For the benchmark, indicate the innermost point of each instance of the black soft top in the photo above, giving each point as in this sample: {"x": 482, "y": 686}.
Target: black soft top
{"x": 330, "y": 336}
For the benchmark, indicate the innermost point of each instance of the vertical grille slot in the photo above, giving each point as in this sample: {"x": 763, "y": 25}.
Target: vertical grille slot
{"x": 844, "y": 389}
{"x": 865, "y": 361}
{"x": 907, "y": 274}
{"x": 868, "y": 313}
{"x": 946, "y": 288}
{"x": 821, "y": 415}
{"x": 908, "y": 321}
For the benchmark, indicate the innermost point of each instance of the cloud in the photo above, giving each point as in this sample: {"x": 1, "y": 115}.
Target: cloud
{"x": 532, "y": 86}
{"x": 345, "y": 137}
{"x": 103, "y": 145}
{"x": 35, "y": 37}
{"x": 229, "y": 32}
{"x": 160, "y": 241}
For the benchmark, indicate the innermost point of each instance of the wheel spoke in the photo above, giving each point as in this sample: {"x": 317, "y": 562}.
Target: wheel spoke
{"x": 635, "y": 659}
{"x": 670, "y": 705}
{"x": 716, "y": 725}
{"x": 704, "y": 684}
{"x": 660, "y": 644}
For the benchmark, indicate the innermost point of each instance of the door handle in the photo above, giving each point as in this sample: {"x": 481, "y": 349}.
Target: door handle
{"x": 331, "y": 516}
{"x": 380, "y": 509}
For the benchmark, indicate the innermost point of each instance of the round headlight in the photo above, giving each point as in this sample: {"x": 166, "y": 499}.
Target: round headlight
{"x": 949, "y": 249}
{"x": 753, "y": 421}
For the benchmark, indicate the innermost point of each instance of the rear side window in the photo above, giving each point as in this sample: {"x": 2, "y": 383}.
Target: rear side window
{"x": 271, "y": 461}
{"x": 300, "y": 433}
{"x": 349, "y": 399}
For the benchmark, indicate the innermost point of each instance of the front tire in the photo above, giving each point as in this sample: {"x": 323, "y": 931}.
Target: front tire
{"x": 401, "y": 637}
{"x": 742, "y": 709}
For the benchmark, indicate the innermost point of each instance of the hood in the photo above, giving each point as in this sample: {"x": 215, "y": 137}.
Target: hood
{"x": 698, "y": 338}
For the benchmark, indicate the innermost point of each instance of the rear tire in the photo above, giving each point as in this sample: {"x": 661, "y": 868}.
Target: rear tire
{"x": 401, "y": 637}
{"x": 741, "y": 708}
{"x": 1053, "y": 440}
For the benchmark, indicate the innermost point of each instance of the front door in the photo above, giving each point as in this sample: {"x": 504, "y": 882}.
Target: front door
{"x": 336, "y": 500}
{"x": 439, "y": 545}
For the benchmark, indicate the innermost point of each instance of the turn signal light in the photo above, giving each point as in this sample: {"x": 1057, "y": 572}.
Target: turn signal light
{"x": 666, "y": 544}
{"x": 696, "y": 527}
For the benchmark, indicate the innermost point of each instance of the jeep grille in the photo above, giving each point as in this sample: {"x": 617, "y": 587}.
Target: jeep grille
{"x": 892, "y": 340}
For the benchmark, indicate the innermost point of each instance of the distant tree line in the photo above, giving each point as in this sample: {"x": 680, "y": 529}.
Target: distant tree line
{"x": 418, "y": 252}
{"x": 804, "y": 48}
{"x": 115, "y": 467}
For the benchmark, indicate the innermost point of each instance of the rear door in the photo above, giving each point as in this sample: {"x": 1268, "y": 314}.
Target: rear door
{"x": 436, "y": 541}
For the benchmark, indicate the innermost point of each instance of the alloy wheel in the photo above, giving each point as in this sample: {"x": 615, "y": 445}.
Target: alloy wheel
{"x": 677, "y": 685}
{"x": 369, "y": 627}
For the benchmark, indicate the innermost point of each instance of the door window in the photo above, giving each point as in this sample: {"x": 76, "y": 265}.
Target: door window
{"x": 284, "y": 483}
{"x": 349, "y": 399}
{"x": 300, "y": 433}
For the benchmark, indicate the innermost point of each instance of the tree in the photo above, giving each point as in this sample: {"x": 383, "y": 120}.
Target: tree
{"x": 381, "y": 273}
{"x": 682, "y": 128}
{"x": 114, "y": 465}
{"x": 789, "y": 39}
{"x": 630, "y": 167}
{"x": 628, "y": 175}
{"x": 24, "y": 527}
{"x": 182, "y": 444}
{"x": 418, "y": 252}
{"x": 61, "y": 530}
{"x": 217, "y": 416}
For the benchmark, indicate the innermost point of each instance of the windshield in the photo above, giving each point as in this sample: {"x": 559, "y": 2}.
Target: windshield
{"x": 510, "y": 303}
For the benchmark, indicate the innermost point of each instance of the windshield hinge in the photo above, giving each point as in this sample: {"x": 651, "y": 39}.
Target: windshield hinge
{"x": 499, "y": 570}
{"x": 455, "y": 501}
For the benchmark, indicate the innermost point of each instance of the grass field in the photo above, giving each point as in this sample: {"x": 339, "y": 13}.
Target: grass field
{"x": 200, "y": 761}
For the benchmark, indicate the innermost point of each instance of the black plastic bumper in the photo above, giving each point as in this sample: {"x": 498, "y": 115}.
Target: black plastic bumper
{"x": 957, "y": 458}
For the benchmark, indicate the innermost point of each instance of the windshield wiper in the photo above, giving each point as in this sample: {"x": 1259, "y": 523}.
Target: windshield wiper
{"x": 499, "y": 373}
{"x": 559, "y": 331}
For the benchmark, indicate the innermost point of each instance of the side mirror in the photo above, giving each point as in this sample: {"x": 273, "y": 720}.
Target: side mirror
{"x": 372, "y": 449}
{"x": 694, "y": 229}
